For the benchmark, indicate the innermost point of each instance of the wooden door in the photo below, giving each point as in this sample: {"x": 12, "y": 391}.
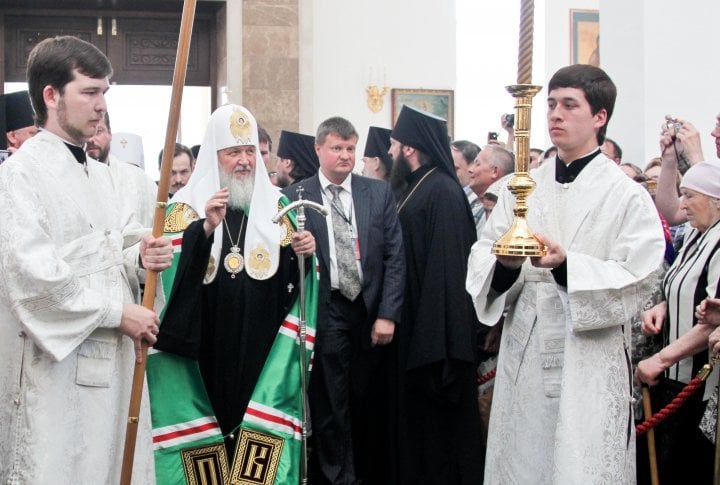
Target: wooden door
{"x": 22, "y": 33}
{"x": 141, "y": 49}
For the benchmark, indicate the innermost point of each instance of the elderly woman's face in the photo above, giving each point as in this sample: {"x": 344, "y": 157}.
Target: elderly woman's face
{"x": 702, "y": 211}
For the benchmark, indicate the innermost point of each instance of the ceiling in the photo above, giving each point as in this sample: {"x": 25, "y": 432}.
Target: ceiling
{"x": 133, "y": 5}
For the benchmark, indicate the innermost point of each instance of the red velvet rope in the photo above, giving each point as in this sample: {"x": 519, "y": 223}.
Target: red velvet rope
{"x": 487, "y": 377}
{"x": 668, "y": 410}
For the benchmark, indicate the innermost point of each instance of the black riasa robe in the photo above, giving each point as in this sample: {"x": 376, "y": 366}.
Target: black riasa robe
{"x": 439, "y": 418}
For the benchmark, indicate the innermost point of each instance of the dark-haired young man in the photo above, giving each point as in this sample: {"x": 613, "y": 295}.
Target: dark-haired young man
{"x": 562, "y": 404}
{"x": 68, "y": 326}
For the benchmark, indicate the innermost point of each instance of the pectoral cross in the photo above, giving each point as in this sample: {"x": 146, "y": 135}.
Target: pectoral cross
{"x": 290, "y": 287}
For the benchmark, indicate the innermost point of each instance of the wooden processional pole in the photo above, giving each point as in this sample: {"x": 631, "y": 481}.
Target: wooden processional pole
{"x": 181, "y": 61}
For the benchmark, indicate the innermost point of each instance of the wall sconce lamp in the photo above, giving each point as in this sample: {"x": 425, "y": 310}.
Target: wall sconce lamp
{"x": 375, "y": 97}
{"x": 375, "y": 93}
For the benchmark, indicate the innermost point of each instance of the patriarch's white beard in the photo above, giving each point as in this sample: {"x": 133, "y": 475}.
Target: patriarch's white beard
{"x": 241, "y": 190}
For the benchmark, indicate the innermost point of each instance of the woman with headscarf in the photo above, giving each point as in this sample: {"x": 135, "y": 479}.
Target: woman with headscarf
{"x": 691, "y": 279}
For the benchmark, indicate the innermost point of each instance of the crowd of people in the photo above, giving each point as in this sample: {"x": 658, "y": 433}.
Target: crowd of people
{"x": 412, "y": 305}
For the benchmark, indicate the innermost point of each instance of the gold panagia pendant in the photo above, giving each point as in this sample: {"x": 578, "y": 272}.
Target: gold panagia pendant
{"x": 234, "y": 262}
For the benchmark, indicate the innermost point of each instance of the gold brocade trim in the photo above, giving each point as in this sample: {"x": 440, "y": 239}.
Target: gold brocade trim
{"x": 287, "y": 231}
{"x": 179, "y": 218}
{"x": 206, "y": 465}
{"x": 286, "y": 227}
{"x": 259, "y": 262}
{"x": 257, "y": 458}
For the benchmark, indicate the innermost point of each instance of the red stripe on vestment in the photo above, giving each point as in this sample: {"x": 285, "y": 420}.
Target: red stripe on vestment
{"x": 295, "y": 328}
{"x": 274, "y": 419}
{"x": 184, "y": 432}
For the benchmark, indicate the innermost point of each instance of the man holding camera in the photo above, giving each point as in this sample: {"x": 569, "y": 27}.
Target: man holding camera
{"x": 507, "y": 121}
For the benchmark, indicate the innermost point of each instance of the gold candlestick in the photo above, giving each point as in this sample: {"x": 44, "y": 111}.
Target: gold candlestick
{"x": 519, "y": 240}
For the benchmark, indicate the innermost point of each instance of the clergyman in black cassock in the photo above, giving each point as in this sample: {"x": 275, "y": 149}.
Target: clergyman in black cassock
{"x": 439, "y": 421}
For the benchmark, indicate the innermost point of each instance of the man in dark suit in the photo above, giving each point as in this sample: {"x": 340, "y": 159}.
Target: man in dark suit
{"x": 362, "y": 279}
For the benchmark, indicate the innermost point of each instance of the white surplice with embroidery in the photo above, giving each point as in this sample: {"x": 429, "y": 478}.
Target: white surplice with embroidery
{"x": 561, "y": 411}
{"x": 66, "y": 371}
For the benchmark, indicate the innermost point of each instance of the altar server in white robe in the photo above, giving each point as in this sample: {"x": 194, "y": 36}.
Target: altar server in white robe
{"x": 68, "y": 327}
{"x": 561, "y": 412}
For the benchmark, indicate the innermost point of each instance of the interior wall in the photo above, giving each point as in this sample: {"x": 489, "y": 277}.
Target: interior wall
{"x": 487, "y": 60}
{"x": 557, "y": 32}
{"x": 557, "y": 41}
{"x": 653, "y": 51}
{"x": 662, "y": 55}
{"x": 400, "y": 44}
{"x": 649, "y": 48}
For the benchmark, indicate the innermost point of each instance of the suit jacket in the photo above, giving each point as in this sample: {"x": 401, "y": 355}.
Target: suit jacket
{"x": 381, "y": 248}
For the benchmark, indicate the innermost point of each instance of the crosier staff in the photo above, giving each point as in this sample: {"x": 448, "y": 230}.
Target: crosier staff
{"x": 300, "y": 205}
{"x": 181, "y": 61}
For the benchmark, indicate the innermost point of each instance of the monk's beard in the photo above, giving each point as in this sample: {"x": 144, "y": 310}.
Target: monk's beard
{"x": 399, "y": 173}
{"x": 241, "y": 190}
